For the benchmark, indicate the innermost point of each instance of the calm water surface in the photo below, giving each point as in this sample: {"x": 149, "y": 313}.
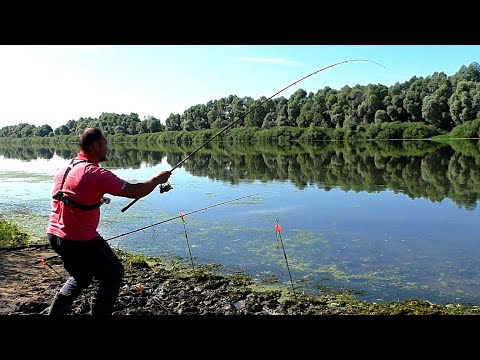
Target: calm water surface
{"x": 385, "y": 222}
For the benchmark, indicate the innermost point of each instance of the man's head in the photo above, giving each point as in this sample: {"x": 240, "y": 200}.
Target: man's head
{"x": 92, "y": 142}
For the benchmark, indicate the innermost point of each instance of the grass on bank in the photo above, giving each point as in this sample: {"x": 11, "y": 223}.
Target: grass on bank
{"x": 11, "y": 234}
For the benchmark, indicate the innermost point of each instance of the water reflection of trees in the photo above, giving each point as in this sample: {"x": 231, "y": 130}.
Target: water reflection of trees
{"x": 416, "y": 168}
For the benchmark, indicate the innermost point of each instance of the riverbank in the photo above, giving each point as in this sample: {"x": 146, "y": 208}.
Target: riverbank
{"x": 152, "y": 288}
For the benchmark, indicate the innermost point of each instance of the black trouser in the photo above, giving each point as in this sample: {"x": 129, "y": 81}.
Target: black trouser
{"x": 85, "y": 260}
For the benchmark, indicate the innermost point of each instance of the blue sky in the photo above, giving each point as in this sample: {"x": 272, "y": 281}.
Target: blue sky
{"x": 51, "y": 84}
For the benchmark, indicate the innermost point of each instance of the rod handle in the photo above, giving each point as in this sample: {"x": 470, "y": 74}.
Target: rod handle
{"x": 126, "y": 207}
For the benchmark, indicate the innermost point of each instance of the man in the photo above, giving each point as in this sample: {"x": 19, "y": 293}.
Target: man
{"x": 78, "y": 192}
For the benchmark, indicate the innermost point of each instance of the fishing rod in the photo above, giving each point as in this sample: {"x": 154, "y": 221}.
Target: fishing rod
{"x": 168, "y": 187}
{"x": 44, "y": 260}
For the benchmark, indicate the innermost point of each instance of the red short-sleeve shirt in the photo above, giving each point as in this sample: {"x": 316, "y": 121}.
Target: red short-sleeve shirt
{"x": 86, "y": 183}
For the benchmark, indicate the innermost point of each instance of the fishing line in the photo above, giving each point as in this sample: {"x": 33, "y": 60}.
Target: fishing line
{"x": 278, "y": 228}
{"x": 186, "y": 238}
{"x": 168, "y": 186}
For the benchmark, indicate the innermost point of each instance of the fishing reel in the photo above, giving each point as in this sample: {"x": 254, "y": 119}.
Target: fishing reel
{"x": 165, "y": 187}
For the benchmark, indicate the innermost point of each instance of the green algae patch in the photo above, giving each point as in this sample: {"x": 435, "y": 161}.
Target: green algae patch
{"x": 328, "y": 304}
{"x": 180, "y": 268}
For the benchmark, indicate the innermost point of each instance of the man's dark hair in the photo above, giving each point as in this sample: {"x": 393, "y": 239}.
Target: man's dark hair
{"x": 88, "y": 136}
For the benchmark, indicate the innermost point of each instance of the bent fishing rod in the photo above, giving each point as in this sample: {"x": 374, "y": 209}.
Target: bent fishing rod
{"x": 182, "y": 215}
{"x": 168, "y": 187}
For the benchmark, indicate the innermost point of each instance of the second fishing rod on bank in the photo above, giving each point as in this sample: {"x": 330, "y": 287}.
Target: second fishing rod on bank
{"x": 180, "y": 216}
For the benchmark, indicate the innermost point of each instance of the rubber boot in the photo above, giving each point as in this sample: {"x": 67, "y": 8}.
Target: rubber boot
{"x": 61, "y": 305}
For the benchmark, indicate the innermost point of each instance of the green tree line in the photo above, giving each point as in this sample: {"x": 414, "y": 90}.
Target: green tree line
{"x": 422, "y": 107}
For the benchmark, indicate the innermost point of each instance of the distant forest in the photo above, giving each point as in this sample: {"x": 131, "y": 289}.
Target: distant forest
{"x": 428, "y": 106}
